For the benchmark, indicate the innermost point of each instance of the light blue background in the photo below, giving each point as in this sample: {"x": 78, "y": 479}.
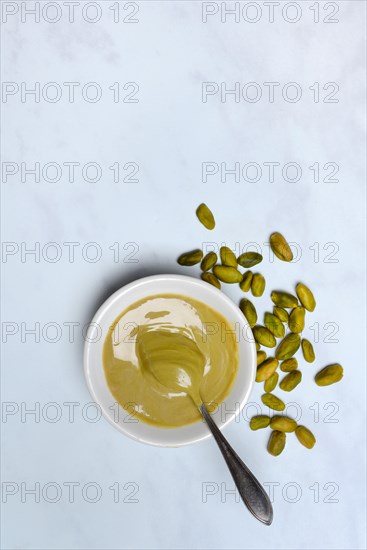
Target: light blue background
{"x": 169, "y": 133}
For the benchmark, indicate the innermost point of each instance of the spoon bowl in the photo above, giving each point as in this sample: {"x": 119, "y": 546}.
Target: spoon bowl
{"x": 173, "y": 359}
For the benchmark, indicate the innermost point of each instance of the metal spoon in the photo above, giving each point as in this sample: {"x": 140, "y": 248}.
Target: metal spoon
{"x": 174, "y": 375}
{"x": 250, "y": 489}
{"x": 252, "y": 492}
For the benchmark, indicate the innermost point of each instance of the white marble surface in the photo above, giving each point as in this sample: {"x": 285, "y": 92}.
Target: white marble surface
{"x": 169, "y": 133}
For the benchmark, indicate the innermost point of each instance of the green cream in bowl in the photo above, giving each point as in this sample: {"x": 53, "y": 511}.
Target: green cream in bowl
{"x": 164, "y": 343}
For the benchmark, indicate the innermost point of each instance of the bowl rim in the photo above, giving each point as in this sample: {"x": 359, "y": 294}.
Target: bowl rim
{"x": 125, "y": 289}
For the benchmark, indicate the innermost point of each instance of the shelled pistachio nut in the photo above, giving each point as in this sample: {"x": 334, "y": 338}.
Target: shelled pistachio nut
{"x": 249, "y": 311}
{"x": 297, "y": 319}
{"x": 308, "y": 351}
{"x": 227, "y": 257}
{"x": 288, "y": 346}
{"x": 284, "y": 299}
{"x": 329, "y": 375}
{"x": 210, "y": 278}
{"x": 190, "y": 258}
{"x": 266, "y": 369}
{"x": 245, "y": 284}
{"x": 260, "y": 357}
{"x": 289, "y": 365}
{"x": 249, "y": 259}
{"x": 274, "y": 324}
{"x": 227, "y": 274}
{"x": 281, "y": 313}
{"x": 260, "y": 421}
{"x": 306, "y": 297}
{"x": 276, "y": 442}
{"x": 209, "y": 261}
{"x": 273, "y": 402}
{"x": 205, "y": 216}
{"x": 290, "y": 381}
{"x": 263, "y": 336}
{"x": 283, "y": 424}
{"x": 305, "y": 437}
{"x": 271, "y": 383}
{"x": 280, "y": 247}
{"x": 258, "y": 284}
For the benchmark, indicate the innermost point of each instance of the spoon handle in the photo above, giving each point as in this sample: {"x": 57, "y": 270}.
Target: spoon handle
{"x": 251, "y": 491}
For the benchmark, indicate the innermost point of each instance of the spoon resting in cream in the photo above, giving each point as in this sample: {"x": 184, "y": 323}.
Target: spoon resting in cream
{"x": 177, "y": 363}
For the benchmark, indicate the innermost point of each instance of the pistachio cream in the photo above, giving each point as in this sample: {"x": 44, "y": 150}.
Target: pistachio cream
{"x": 165, "y": 354}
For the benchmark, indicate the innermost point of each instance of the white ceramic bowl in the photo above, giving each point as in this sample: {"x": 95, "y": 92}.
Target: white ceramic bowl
{"x": 167, "y": 284}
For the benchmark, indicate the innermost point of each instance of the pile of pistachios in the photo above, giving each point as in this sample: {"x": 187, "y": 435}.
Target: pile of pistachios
{"x": 227, "y": 271}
